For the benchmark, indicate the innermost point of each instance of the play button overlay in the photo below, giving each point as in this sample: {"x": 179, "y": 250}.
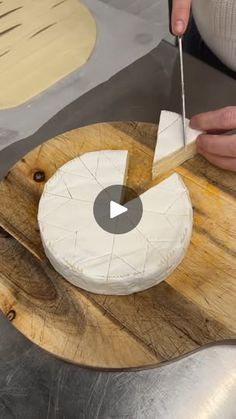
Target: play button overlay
{"x": 116, "y": 209}
{"x": 112, "y": 215}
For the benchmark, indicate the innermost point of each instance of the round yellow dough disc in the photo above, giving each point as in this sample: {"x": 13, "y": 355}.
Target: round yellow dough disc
{"x": 41, "y": 42}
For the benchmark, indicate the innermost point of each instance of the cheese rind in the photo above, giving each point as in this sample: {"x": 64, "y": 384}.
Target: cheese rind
{"x": 100, "y": 262}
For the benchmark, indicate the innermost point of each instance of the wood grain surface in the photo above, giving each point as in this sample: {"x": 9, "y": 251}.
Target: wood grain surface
{"x": 194, "y": 307}
{"x": 52, "y": 38}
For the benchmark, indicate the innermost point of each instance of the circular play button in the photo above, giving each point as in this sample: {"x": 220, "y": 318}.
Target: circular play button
{"x": 110, "y": 213}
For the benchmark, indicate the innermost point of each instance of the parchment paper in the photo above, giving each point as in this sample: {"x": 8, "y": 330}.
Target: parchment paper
{"x": 126, "y": 31}
{"x": 154, "y": 11}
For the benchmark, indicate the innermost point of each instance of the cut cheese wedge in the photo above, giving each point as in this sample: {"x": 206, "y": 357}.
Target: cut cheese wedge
{"x": 100, "y": 262}
{"x": 170, "y": 152}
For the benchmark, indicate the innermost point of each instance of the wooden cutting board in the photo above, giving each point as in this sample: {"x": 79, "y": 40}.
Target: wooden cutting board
{"x": 194, "y": 307}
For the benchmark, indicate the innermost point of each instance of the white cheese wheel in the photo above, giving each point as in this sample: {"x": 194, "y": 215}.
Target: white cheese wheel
{"x": 104, "y": 263}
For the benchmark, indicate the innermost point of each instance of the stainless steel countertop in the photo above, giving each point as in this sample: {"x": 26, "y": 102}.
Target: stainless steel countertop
{"x": 35, "y": 385}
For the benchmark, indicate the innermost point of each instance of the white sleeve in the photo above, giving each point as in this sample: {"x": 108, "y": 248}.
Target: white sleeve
{"x": 216, "y": 22}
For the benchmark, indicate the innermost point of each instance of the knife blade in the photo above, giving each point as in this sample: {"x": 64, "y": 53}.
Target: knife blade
{"x": 182, "y": 89}
{"x": 183, "y": 100}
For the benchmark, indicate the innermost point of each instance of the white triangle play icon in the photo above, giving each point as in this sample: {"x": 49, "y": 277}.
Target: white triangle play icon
{"x": 116, "y": 209}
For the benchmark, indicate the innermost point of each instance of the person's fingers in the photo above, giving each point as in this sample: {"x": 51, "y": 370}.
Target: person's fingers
{"x": 221, "y": 145}
{"x": 226, "y": 163}
{"x": 180, "y": 16}
{"x": 223, "y": 119}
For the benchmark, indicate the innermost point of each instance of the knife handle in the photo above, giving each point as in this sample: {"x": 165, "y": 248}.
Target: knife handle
{"x": 170, "y": 15}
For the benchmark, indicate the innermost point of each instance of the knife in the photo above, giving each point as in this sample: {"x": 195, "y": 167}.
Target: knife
{"x": 180, "y": 45}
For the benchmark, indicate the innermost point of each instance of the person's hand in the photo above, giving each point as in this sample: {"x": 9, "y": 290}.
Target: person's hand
{"x": 217, "y": 148}
{"x": 180, "y": 16}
